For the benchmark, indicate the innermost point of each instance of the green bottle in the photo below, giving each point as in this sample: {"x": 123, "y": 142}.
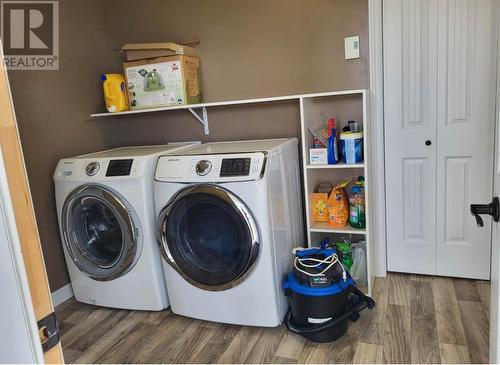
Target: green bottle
{"x": 345, "y": 253}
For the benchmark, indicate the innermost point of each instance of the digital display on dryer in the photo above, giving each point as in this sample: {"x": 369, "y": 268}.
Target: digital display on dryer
{"x": 119, "y": 167}
{"x": 235, "y": 167}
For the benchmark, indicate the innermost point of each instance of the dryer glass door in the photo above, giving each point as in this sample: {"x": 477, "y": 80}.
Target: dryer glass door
{"x": 209, "y": 236}
{"x": 99, "y": 232}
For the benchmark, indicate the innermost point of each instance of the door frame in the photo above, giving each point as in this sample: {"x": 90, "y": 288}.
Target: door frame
{"x": 494, "y": 279}
{"x": 377, "y": 127}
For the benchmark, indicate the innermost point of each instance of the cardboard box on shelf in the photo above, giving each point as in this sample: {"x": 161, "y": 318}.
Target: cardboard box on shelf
{"x": 142, "y": 51}
{"x": 319, "y": 202}
{"x": 319, "y": 207}
{"x": 163, "y": 81}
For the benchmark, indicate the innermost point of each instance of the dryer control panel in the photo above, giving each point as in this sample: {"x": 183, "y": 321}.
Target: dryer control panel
{"x": 211, "y": 168}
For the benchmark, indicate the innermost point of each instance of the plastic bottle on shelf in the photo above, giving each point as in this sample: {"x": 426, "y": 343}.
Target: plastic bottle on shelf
{"x": 332, "y": 149}
{"x": 357, "y": 217}
{"x": 115, "y": 94}
{"x": 345, "y": 252}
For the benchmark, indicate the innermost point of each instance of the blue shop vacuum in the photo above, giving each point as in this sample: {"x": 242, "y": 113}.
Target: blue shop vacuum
{"x": 322, "y": 295}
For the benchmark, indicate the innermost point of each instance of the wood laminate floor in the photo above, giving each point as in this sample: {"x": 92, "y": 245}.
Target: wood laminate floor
{"x": 418, "y": 319}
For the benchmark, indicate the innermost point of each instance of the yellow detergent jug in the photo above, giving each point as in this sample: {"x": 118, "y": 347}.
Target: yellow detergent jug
{"x": 114, "y": 92}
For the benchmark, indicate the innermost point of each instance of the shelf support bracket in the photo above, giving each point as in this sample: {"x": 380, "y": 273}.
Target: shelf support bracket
{"x": 203, "y": 119}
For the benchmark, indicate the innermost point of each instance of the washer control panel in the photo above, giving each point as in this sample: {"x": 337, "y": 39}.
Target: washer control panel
{"x": 90, "y": 169}
{"x": 211, "y": 168}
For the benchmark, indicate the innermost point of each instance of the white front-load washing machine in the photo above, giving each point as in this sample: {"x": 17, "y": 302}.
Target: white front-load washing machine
{"x": 229, "y": 215}
{"x": 107, "y": 222}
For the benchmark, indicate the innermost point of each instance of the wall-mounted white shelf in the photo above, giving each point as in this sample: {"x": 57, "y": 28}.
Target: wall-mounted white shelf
{"x": 339, "y": 165}
{"x": 203, "y": 118}
{"x": 347, "y": 106}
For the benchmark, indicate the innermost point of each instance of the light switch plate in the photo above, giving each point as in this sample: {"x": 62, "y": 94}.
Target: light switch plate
{"x": 351, "y": 47}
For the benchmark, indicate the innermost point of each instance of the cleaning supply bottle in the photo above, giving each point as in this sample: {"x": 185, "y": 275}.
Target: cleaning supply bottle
{"x": 115, "y": 94}
{"x": 332, "y": 150}
{"x": 357, "y": 217}
{"x": 345, "y": 252}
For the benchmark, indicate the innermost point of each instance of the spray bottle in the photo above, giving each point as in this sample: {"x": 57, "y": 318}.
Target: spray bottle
{"x": 333, "y": 156}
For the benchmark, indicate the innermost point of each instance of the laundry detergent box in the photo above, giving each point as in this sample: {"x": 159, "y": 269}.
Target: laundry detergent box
{"x": 163, "y": 81}
{"x": 319, "y": 207}
{"x": 319, "y": 202}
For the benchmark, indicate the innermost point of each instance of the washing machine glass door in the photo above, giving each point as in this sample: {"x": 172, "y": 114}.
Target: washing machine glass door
{"x": 100, "y": 232}
{"x": 209, "y": 236}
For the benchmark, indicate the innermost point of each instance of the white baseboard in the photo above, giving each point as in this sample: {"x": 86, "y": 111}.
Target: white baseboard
{"x": 62, "y": 294}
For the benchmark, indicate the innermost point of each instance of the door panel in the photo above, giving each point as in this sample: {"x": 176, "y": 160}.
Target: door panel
{"x": 410, "y": 118}
{"x": 19, "y": 343}
{"x": 439, "y": 58}
{"x": 465, "y": 129}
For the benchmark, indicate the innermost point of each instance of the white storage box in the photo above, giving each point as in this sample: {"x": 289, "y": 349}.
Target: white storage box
{"x": 318, "y": 156}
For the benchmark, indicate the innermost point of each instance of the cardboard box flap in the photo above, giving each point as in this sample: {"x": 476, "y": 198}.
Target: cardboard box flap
{"x": 138, "y": 51}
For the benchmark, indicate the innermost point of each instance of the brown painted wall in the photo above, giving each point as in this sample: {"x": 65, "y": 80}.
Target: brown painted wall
{"x": 248, "y": 49}
{"x": 52, "y": 109}
{"x": 255, "y": 48}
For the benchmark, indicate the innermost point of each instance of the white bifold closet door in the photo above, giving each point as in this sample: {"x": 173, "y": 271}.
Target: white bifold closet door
{"x": 439, "y": 92}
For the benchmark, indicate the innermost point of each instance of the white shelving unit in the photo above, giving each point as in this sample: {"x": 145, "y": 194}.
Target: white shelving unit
{"x": 344, "y": 106}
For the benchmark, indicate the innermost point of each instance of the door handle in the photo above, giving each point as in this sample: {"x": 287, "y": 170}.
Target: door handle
{"x": 492, "y": 209}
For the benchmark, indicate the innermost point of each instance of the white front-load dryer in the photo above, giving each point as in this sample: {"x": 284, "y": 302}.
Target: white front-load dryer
{"x": 107, "y": 222}
{"x": 229, "y": 215}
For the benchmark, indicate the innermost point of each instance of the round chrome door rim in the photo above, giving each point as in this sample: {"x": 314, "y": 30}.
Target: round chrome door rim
{"x": 130, "y": 227}
{"x": 244, "y": 213}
